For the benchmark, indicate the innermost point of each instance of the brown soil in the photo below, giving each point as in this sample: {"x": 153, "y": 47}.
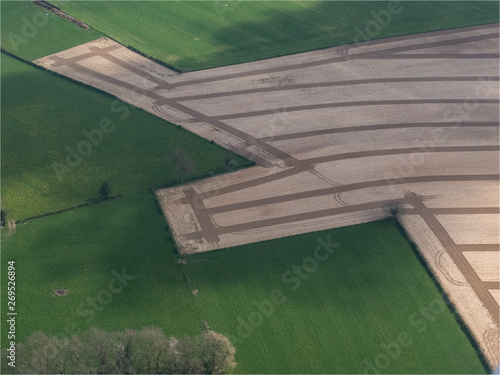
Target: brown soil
{"x": 60, "y": 292}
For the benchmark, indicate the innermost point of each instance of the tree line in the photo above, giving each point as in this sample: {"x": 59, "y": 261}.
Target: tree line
{"x": 144, "y": 351}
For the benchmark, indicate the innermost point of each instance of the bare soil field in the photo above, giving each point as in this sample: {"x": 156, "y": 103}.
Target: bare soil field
{"x": 337, "y": 136}
{"x": 471, "y": 229}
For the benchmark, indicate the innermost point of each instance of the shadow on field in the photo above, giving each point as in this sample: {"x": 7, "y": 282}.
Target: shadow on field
{"x": 304, "y": 26}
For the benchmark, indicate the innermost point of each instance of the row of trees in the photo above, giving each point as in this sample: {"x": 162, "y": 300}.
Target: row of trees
{"x": 145, "y": 351}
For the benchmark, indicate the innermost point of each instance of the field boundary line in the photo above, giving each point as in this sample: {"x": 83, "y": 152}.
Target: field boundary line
{"x": 75, "y": 207}
{"x": 449, "y": 303}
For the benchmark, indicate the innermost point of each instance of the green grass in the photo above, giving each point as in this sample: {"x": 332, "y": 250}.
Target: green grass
{"x": 31, "y": 32}
{"x": 370, "y": 290}
{"x": 196, "y": 35}
{"x": 78, "y": 250}
{"x": 43, "y": 114}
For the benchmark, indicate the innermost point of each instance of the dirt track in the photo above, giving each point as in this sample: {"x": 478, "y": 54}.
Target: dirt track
{"x": 337, "y": 135}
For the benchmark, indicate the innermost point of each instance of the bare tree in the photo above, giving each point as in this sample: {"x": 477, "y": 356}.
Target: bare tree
{"x": 124, "y": 344}
{"x": 190, "y": 362}
{"x": 393, "y": 208}
{"x": 174, "y": 356}
{"x": 124, "y": 352}
{"x": 61, "y": 363}
{"x": 75, "y": 360}
{"x": 151, "y": 351}
{"x": 217, "y": 353}
{"x": 100, "y": 349}
{"x": 181, "y": 162}
{"x": 38, "y": 354}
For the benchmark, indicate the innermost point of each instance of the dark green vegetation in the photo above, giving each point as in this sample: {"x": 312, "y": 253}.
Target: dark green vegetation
{"x": 43, "y": 114}
{"x": 30, "y": 32}
{"x": 79, "y": 251}
{"x": 371, "y": 291}
{"x": 196, "y": 35}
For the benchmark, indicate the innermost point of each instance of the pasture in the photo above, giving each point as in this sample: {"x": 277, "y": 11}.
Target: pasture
{"x": 192, "y": 35}
{"x": 369, "y": 299}
{"x": 350, "y": 300}
{"x": 44, "y": 115}
{"x": 30, "y": 32}
{"x": 81, "y": 251}
{"x": 337, "y": 315}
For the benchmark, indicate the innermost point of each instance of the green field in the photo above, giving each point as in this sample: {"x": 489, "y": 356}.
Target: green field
{"x": 43, "y": 114}
{"x": 194, "y": 35}
{"x": 31, "y": 32}
{"x": 370, "y": 291}
{"x": 367, "y": 293}
{"x": 78, "y": 250}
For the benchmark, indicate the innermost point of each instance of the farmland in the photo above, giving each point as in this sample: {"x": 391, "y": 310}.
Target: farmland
{"x": 370, "y": 291}
{"x": 321, "y": 174}
{"x": 365, "y": 294}
{"x": 31, "y": 32}
{"x": 79, "y": 251}
{"x": 200, "y": 35}
{"x": 338, "y": 136}
{"x": 40, "y": 106}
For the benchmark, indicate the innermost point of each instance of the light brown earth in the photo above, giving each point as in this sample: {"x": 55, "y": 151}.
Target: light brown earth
{"x": 338, "y": 134}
